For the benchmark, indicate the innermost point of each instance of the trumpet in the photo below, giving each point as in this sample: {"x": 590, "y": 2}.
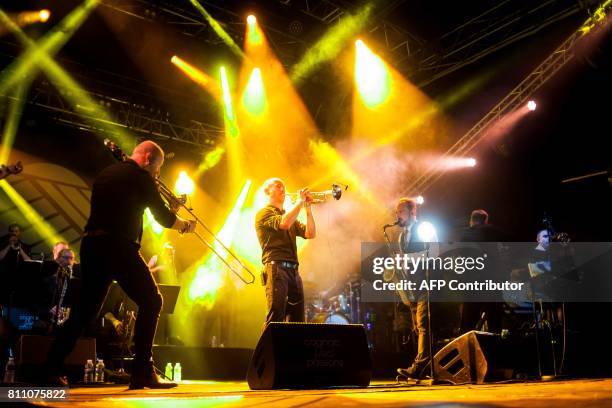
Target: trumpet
{"x": 322, "y": 196}
{"x": 176, "y": 203}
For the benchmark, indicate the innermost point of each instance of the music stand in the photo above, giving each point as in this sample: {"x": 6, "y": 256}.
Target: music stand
{"x": 170, "y": 295}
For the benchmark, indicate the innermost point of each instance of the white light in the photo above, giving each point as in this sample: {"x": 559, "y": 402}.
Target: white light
{"x": 251, "y": 19}
{"x": 184, "y": 184}
{"x": 471, "y": 162}
{"x": 420, "y": 200}
{"x": 531, "y": 105}
{"x": 427, "y": 232}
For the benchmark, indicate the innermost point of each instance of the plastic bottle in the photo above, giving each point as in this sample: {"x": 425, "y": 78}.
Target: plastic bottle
{"x": 213, "y": 341}
{"x": 100, "y": 371}
{"x": 177, "y": 372}
{"x": 168, "y": 371}
{"x": 9, "y": 371}
{"x": 89, "y": 371}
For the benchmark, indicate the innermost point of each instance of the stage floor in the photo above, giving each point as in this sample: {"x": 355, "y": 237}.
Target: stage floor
{"x": 574, "y": 393}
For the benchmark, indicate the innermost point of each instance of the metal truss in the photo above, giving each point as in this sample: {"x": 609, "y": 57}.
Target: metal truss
{"x": 503, "y": 24}
{"x": 183, "y": 17}
{"x": 515, "y": 99}
{"x": 325, "y": 11}
{"x": 126, "y": 116}
{"x": 494, "y": 29}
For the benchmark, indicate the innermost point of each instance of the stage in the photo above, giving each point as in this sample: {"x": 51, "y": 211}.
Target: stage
{"x": 576, "y": 393}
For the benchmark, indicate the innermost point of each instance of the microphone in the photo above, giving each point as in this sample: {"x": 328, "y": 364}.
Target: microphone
{"x": 391, "y": 225}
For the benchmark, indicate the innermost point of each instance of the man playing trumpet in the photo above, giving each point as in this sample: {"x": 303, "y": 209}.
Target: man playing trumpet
{"x": 277, "y": 230}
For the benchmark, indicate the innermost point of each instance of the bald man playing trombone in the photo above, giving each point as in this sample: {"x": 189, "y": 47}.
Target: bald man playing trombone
{"x": 110, "y": 250}
{"x": 277, "y": 231}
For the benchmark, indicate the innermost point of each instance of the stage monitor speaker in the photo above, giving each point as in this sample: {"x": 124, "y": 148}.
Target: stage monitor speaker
{"x": 310, "y": 355}
{"x": 33, "y": 350}
{"x": 476, "y": 357}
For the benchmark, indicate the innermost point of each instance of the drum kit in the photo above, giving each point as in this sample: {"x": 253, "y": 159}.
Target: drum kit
{"x": 342, "y": 308}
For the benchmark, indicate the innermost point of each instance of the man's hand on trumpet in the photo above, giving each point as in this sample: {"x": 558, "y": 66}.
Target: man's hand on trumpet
{"x": 306, "y": 197}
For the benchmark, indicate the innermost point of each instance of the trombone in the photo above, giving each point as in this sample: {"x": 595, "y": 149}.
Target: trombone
{"x": 176, "y": 203}
{"x": 322, "y": 196}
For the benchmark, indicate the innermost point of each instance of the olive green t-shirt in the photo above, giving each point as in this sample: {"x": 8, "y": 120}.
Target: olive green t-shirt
{"x": 277, "y": 244}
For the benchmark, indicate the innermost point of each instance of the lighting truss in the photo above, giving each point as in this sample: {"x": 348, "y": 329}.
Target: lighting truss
{"x": 516, "y": 98}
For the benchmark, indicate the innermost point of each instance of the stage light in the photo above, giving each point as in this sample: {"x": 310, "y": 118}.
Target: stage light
{"x": 420, "y": 200}
{"x": 184, "y": 184}
{"x": 531, "y": 105}
{"x": 427, "y": 232}
{"x": 371, "y": 75}
{"x": 254, "y": 95}
{"x": 254, "y": 33}
{"x": 471, "y": 162}
{"x": 44, "y": 15}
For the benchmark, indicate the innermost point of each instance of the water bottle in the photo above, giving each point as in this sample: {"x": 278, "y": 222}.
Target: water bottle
{"x": 9, "y": 371}
{"x": 177, "y": 372}
{"x": 168, "y": 371}
{"x": 100, "y": 371}
{"x": 89, "y": 372}
{"x": 213, "y": 341}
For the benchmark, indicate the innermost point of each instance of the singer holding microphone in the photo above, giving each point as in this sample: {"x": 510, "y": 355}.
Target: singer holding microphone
{"x": 277, "y": 231}
{"x": 110, "y": 250}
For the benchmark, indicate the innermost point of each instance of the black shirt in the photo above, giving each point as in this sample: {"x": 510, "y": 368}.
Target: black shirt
{"x": 121, "y": 193}
{"x": 277, "y": 244}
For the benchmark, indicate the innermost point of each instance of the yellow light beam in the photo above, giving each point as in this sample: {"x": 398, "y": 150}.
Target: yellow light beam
{"x": 13, "y": 117}
{"x": 40, "y": 225}
{"x": 330, "y": 45}
{"x": 254, "y": 97}
{"x": 77, "y": 95}
{"x": 371, "y": 76}
{"x": 48, "y": 45}
{"x": 198, "y": 76}
{"x": 218, "y": 29}
{"x": 209, "y": 272}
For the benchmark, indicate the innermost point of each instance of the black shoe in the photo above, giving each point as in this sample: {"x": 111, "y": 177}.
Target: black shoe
{"x": 144, "y": 376}
{"x": 416, "y": 371}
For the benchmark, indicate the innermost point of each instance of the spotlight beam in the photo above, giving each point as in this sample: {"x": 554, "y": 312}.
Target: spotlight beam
{"x": 40, "y": 225}
{"x": 218, "y": 29}
{"x": 330, "y": 45}
{"x": 50, "y": 44}
{"x": 11, "y": 125}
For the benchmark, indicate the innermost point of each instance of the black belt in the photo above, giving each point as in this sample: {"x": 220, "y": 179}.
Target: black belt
{"x": 286, "y": 264}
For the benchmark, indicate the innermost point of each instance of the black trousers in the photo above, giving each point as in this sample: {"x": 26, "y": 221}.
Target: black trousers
{"x": 103, "y": 259}
{"x": 284, "y": 293}
{"x": 420, "y": 327}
